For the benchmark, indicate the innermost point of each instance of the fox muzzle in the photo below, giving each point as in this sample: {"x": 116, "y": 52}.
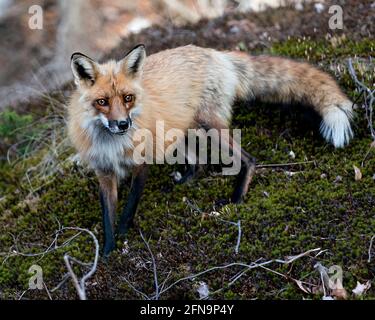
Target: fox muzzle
{"x": 119, "y": 126}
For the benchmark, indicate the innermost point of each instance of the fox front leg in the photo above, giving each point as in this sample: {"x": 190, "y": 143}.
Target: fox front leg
{"x": 192, "y": 168}
{"x": 137, "y": 185}
{"x": 108, "y": 201}
{"x": 188, "y": 175}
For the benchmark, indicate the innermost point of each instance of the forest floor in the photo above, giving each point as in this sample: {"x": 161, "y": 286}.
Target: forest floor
{"x": 316, "y": 203}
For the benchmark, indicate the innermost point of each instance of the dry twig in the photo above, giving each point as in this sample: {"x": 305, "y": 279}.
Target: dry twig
{"x": 80, "y": 285}
{"x": 369, "y": 97}
{"x": 370, "y": 248}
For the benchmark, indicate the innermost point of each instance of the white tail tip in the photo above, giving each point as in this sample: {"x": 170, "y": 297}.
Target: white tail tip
{"x": 335, "y": 126}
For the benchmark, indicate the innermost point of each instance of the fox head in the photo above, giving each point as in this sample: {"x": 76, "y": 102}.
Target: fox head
{"x": 110, "y": 93}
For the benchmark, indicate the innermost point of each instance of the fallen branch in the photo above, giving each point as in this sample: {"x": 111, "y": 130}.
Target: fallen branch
{"x": 238, "y": 225}
{"x": 369, "y": 97}
{"x": 370, "y": 248}
{"x": 80, "y": 285}
{"x": 247, "y": 267}
{"x": 324, "y": 277}
{"x": 153, "y": 266}
{"x": 276, "y": 165}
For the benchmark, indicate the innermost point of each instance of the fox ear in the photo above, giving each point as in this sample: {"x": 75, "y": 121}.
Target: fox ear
{"x": 132, "y": 64}
{"x": 84, "y": 69}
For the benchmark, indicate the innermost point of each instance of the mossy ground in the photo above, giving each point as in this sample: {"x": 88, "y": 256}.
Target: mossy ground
{"x": 283, "y": 214}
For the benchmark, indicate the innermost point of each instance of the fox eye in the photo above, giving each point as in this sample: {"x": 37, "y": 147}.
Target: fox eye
{"x": 102, "y": 102}
{"x": 129, "y": 98}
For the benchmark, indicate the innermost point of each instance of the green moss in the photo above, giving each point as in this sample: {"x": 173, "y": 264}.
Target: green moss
{"x": 282, "y": 215}
{"x": 323, "y": 49}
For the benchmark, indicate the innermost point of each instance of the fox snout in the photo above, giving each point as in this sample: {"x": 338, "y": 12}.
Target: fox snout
{"x": 119, "y": 126}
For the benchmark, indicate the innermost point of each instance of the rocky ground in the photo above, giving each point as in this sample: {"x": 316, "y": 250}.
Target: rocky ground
{"x": 320, "y": 202}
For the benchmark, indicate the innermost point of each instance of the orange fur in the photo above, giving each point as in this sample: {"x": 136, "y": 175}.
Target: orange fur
{"x": 188, "y": 85}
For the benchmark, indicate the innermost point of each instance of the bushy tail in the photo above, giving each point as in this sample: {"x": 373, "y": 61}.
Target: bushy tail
{"x": 274, "y": 79}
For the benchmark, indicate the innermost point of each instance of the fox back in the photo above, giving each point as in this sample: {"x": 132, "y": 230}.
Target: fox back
{"x": 184, "y": 87}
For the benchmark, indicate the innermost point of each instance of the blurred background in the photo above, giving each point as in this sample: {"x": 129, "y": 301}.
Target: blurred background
{"x": 35, "y": 60}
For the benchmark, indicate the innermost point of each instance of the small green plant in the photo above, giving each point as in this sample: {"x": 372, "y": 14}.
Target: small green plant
{"x": 11, "y": 124}
{"x": 12, "y": 131}
{"x": 17, "y": 131}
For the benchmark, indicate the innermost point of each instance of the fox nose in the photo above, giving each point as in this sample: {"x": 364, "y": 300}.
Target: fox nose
{"x": 124, "y": 125}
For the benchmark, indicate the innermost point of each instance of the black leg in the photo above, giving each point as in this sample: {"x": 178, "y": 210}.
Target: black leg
{"x": 109, "y": 239}
{"x": 108, "y": 201}
{"x": 246, "y": 173}
{"x": 191, "y": 167}
{"x": 137, "y": 186}
{"x": 244, "y": 177}
{"x": 247, "y": 170}
{"x": 188, "y": 175}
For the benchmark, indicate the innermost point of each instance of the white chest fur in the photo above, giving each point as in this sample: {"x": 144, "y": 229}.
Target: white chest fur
{"x": 108, "y": 152}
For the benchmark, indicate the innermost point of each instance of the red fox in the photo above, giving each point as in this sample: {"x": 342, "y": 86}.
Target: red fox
{"x": 186, "y": 87}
